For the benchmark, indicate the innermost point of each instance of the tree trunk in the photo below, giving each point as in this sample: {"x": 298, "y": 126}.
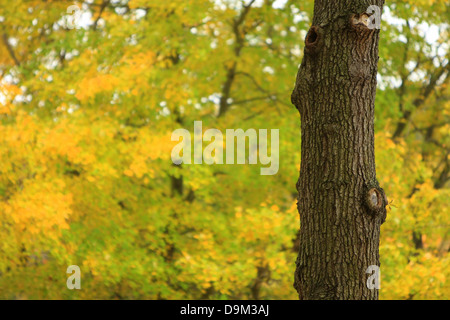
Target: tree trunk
{"x": 340, "y": 202}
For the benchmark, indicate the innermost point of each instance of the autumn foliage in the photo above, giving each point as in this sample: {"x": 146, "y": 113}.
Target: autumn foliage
{"x": 86, "y": 178}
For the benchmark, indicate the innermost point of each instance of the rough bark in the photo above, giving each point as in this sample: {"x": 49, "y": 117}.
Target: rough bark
{"x": 340, "y": 202}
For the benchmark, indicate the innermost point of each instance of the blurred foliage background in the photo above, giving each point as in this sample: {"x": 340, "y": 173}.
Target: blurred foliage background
{"x": 86, "y": 116}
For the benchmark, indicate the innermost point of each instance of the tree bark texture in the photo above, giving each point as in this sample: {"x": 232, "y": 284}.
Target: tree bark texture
{"x": 340, "y": 202}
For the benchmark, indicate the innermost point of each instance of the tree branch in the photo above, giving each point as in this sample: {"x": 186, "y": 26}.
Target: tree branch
{"x": 419, "y": 101}
{"x": 231, "y": 72}
{"x": 10, "y": 49}
{"x": 102, "y": 8}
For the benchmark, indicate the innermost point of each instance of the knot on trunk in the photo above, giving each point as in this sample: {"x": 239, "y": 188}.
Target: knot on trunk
{"x": 359, "y": 20}
{"x": 375, "y": 201}
{"x": 313, "y": 40}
